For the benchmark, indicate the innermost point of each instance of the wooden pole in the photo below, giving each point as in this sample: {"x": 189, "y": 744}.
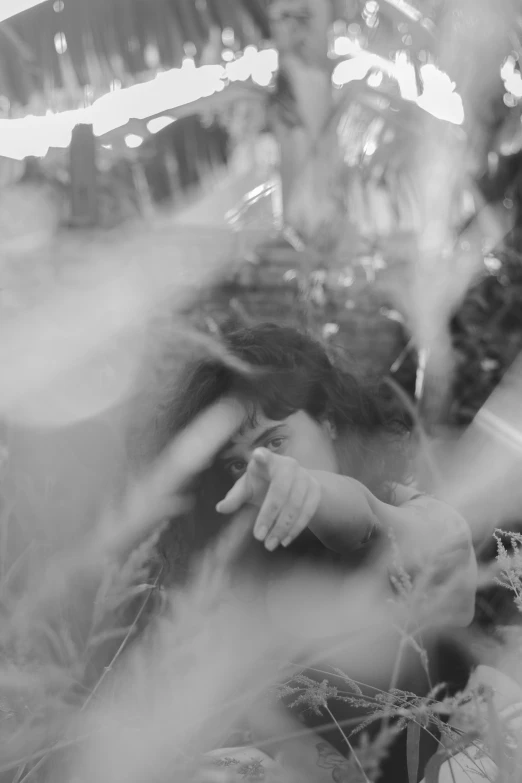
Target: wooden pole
{"x": 84, "y": 196}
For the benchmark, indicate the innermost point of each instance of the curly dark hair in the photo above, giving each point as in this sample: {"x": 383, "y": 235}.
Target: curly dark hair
{"x": 289, "y": 372}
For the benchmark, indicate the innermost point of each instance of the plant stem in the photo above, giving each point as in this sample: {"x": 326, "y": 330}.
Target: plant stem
{"x": 350, "y": 747}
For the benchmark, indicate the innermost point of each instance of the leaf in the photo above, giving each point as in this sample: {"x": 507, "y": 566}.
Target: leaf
{"x": 412, "y": 750}
{"x": 496, "y": 737}
{"x": 351, "y": 683}
{"x": 433, "y": 767}
{"x": 109, "y": 636}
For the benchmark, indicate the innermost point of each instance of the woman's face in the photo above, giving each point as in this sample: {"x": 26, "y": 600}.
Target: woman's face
{"x": 299, "y": 436}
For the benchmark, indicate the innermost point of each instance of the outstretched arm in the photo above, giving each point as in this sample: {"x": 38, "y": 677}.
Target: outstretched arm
{"x": 426, "y": 538}
{"x": 430, "y": 540}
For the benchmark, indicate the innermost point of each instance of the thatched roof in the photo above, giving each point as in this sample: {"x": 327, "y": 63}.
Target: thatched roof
{"x": 108, "y": 39}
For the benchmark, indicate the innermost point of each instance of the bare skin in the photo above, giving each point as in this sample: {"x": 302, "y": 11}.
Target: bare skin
{"x": 289, "y": 472}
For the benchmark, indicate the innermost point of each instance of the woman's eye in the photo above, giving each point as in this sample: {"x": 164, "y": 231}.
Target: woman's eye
{"x": 236, "y": 469}
{"x": 275, "y": 444}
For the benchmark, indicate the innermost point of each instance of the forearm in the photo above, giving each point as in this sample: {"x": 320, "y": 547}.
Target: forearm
{"x": 346, "y": 514}
{"x": 427, "y": 538}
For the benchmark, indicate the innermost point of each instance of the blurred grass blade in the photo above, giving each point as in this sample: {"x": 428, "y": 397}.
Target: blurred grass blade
{"x": 412, "y": 750}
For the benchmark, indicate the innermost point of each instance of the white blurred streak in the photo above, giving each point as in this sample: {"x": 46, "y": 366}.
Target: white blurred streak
{"x": 9, "y": 8}
{"x": 481, "y": 472}
{"x": 29, "y": 218}
{"x": 180, "y": 695}
{"x": 214, "y": 657}
{"x": 80, "y": 346}
{"x": 71, "y": 575}
{"x": 159, "y": 123}
{"x": 153, "y": 498}
{"x": 512, "y": 78}
{"x": 69, "y": 370}
{"x": 209, "y": 662}
{"x": 442, "y": 270}
{"x": 439, "y": 97}
{"x": 171, "y": 90}
{"x": 73, "y": 348}
{"x": 174, "y": 701}
{"x": 476, "y": 763}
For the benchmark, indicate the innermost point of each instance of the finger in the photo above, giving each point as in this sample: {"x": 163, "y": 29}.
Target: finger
{"x": 261, "y": 463}
{"x": 276, "y": 497}
{"x": 289, "y": 514}
{"x": 238, "y": 496}
{"x": 258, "y": 467}
{"x": 307, "y": 513}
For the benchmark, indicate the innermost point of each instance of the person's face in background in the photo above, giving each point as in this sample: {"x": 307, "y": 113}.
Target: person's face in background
{"x": 311, "y": 443}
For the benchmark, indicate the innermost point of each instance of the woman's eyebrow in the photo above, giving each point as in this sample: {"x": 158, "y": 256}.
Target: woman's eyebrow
{"x": 260, "y": 438}
{"x": 266, "y": 433}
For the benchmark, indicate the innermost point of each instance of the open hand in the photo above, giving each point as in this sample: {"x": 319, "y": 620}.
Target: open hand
{"x": 287, "y": 495}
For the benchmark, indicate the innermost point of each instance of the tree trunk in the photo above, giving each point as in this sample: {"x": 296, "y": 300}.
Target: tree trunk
{"x": 304, "y": 96}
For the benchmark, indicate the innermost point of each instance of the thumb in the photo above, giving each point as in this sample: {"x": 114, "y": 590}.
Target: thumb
{"x": 239, "y": 495}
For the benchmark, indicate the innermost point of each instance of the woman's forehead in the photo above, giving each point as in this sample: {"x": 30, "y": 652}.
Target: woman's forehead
{"x": 254, "y": 423}
{"x": 253, "y": 428}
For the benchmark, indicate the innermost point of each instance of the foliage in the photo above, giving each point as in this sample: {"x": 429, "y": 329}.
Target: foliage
{"x": 487, "y": 335}
{"x": 112, "y": 40}
{"x": 55, "y": 670}
{"x": 469, "y": 725}
{"x": 44, "y": 675}
{"x": 68, "y": 616}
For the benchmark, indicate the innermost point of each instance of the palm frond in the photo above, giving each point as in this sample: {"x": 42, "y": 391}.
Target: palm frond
{"x": 135, "y": 34}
